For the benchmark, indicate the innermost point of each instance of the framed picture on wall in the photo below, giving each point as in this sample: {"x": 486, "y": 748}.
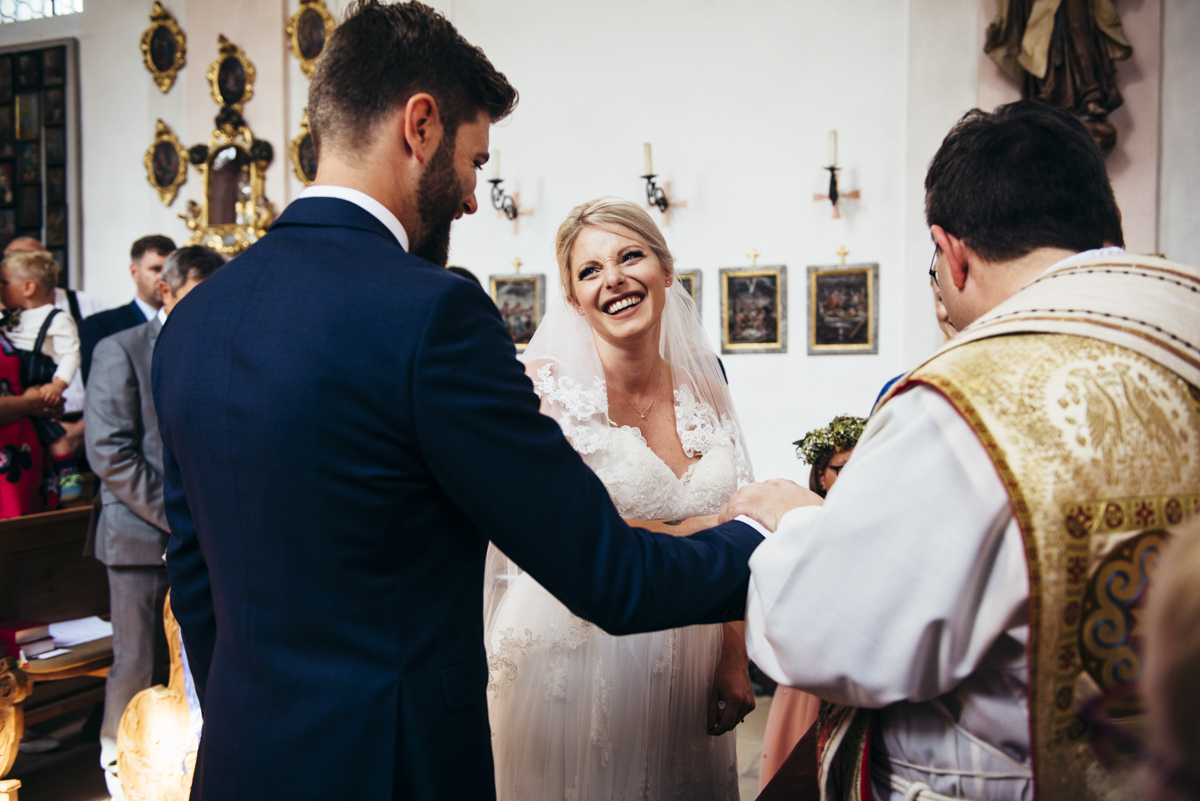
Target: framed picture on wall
{"x": 692, "y": 281}
{"x": 6, "y": 79}
{"x": 29, "y": 70}
{"x": 56, "y": 145}
{"x": 754, "y": 309}
{"x": 56, "y": 185}
{"x": 8, "y": 142}
{"x": 843, "y": 309}
{"x": 29, "y": 117}
{"x": 29, "y": 163}
{"x": 54, "y": 66}
{"x": 6, "y": 183}
{"x": 56, "y": 224}
{"x": 60, "y": 258}
{"x": 8, "y": 225}
{"x": 522, "y": 303}
{"x": 29, "y": 207}
{"x": 55, "y": 112}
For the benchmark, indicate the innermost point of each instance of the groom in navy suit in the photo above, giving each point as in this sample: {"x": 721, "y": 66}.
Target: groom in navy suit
{"x": 345, "y": 427}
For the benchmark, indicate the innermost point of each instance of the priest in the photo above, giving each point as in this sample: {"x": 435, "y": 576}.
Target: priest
{"x": 944, "y": 600}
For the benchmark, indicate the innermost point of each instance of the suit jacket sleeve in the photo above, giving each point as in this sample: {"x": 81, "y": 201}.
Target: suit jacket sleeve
{"x": 187, "y": 571}
{"x": 114, "y": 434}
{"x": 513, "y": 474}
{"x": 90, "y": 333}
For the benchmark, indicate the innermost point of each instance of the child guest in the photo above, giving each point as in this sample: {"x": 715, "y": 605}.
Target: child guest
{"x": 48, "y": 344}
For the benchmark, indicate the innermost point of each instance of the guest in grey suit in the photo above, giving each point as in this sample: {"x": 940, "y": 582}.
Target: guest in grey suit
{"x": 125, "y": 450}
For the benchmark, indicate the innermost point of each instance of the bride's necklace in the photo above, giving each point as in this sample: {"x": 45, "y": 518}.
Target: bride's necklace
{"x": 652, "y": 400}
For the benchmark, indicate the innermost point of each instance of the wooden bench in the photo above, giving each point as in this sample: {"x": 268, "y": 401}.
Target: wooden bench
{"x": 45, "y": 576}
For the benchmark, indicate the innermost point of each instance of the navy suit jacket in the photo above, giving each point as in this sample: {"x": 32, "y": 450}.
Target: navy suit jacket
{"x": 345, "y": 426}
{"x": 103, "y": 324}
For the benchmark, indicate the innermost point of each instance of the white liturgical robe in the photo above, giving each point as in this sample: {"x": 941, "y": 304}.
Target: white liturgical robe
{"x": 907, "y": 592}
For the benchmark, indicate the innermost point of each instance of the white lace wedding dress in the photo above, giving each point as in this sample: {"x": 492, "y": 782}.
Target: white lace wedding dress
{"x": 577, "y": 714}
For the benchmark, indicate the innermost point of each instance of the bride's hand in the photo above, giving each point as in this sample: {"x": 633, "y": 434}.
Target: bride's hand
{"x": 732, "y": 695}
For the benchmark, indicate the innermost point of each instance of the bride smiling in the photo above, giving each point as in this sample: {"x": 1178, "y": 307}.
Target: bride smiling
{"x": 624, "y": 367}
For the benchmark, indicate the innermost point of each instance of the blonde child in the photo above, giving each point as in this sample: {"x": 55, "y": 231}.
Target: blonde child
{"x": 48, "y": 344}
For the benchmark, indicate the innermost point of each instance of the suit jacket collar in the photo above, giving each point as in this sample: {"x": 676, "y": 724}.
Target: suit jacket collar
{"x": 331, "y": 213}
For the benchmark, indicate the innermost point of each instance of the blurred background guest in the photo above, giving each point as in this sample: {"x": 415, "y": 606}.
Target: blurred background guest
{"x": 793, "y": 712}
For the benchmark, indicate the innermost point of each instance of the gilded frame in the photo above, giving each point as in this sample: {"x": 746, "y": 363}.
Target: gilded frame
{"x": 297, "y": 143}
{"x": 161, "y": 18}
{"x": 693, "y": 282}
{"x": 254, "y": 214}
{"x": 777, "y": 298}
{"x": 293, "y": 32}
{"x": 498, "y": 284}
{"x": 163, "y": 133}
{"x": 227, "y": 49}
{"x": 861, "y": 281}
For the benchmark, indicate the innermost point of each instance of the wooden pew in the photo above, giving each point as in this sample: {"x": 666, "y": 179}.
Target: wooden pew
{"x": 45, "y": 576}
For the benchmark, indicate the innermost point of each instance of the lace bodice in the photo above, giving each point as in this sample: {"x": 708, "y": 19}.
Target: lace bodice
{"x": 641, "y": 484}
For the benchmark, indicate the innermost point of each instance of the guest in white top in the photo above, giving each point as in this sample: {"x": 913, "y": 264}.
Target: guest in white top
{"x": 48, "y": 343}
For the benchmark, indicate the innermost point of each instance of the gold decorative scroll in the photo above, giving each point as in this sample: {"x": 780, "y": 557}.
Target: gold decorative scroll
{"x": 303, "y": 49}
{"x": 163, "y": 64}
{"x": 156, "y": 171}
{"x": 14, "y": 687}
{"x": 226, "y": 50}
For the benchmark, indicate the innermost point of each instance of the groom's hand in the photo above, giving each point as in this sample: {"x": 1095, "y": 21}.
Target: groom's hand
{"x": 769, "y": 501}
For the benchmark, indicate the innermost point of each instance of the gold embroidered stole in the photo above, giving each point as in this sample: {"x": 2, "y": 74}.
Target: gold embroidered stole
{"x": 1097, "y": 446}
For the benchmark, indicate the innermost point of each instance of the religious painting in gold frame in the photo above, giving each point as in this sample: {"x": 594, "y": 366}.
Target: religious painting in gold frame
{"x": 231, "y": 76}
{"x": 843, "y": 309}
{"x": 308, "y": 30}
{"x": 164, "y": 48}
{"x": 692, "y": 281}
{"x": 521, "y": 300}
{"x": 166, "y": 163}
{"x": 754, "y": 309}
{"x": 235, "y": 212}
{"x": 304, "y": 154}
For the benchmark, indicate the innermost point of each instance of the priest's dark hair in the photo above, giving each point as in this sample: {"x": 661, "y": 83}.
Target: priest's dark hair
{"x": 1025, "y": 176}
{"x": 384, "y": 53}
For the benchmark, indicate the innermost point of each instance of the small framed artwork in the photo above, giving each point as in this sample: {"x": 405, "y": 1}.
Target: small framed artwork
{"x": 29, "y": 117}
{"x": 307, "y": 31}
{"x": 29, "y": 70}
{"x": 6, "y": 79}
{"x": 6, "y": 183}
{"x": 304, "y": 154}
{"x": 843, "y": 309}
{"x": 55, "y": 112}
{"x": 166, "y": 163}
{"x": 56, "y": 224}
{"x": 8, "y": 225}
{"x": 54, "y": 66}
{"x": 754, "y": 309}
{"x": 29, "y": 207}
{"x": 56, "y": 145}
{"x": 692, "y": 281}
{"x": 164, "y": 47}
{"x": 56, "y": 185}
{"x": 60, "y": 258}
{"x": 29, "y": 163}
{"x": 521, "y": 300}
{"x": 8, "y": 142}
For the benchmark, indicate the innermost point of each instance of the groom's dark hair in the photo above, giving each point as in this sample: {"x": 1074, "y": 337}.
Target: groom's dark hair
{"x": 384, "y": 53}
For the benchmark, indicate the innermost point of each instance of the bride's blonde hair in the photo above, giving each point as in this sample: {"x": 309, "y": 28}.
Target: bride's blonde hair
{"x": 607, "y": 212}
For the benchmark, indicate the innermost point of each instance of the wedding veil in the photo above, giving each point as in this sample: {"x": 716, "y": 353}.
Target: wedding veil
{"x": 562, "y": 360}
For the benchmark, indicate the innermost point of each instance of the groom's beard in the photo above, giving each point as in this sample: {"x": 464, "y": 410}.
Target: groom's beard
{"x": 439, "y": 197}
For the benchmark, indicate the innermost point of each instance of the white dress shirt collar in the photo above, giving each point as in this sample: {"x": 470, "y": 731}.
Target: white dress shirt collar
{"x": 162, "y": 316}
{"x": 364, "y": 202}
{"x": 148, "y": 311}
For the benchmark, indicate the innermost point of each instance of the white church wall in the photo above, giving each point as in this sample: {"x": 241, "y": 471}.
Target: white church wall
{"x": 737, "y": 99}
{"x": 1179, "y": 224}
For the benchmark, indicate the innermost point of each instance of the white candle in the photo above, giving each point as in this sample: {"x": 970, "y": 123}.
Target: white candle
{"x": 833, "y": 148}
{"x": 496, "y": 164}
{"x": 649, "y": 162}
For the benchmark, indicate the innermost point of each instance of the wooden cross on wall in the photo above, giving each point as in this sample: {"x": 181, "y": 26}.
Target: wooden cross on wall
{"x": 666, "y": 215}
{"x": 835, "y": 196}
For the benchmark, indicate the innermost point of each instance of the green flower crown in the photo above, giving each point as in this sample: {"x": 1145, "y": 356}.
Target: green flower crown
{"x": 840, "y": 435}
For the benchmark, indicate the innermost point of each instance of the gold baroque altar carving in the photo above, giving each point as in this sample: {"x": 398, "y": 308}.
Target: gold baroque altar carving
{"x": 234, "y": 212}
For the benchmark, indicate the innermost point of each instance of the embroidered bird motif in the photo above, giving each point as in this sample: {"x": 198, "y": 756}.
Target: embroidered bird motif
{"x": 1103, "y": 416}
{"x": 1149, "y": 414}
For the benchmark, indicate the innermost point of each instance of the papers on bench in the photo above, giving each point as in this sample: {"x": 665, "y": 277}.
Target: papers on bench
{"x": 76, "y": 632}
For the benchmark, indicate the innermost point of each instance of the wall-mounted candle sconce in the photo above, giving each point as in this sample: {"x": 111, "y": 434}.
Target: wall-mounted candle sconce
{"x": 505, "y": 204}
{"x": 658, "y": 196}
{"x": 834, "y": 195}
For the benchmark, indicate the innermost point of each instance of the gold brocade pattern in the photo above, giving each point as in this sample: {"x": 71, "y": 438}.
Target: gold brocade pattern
{"x": 1097, "y": 448}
